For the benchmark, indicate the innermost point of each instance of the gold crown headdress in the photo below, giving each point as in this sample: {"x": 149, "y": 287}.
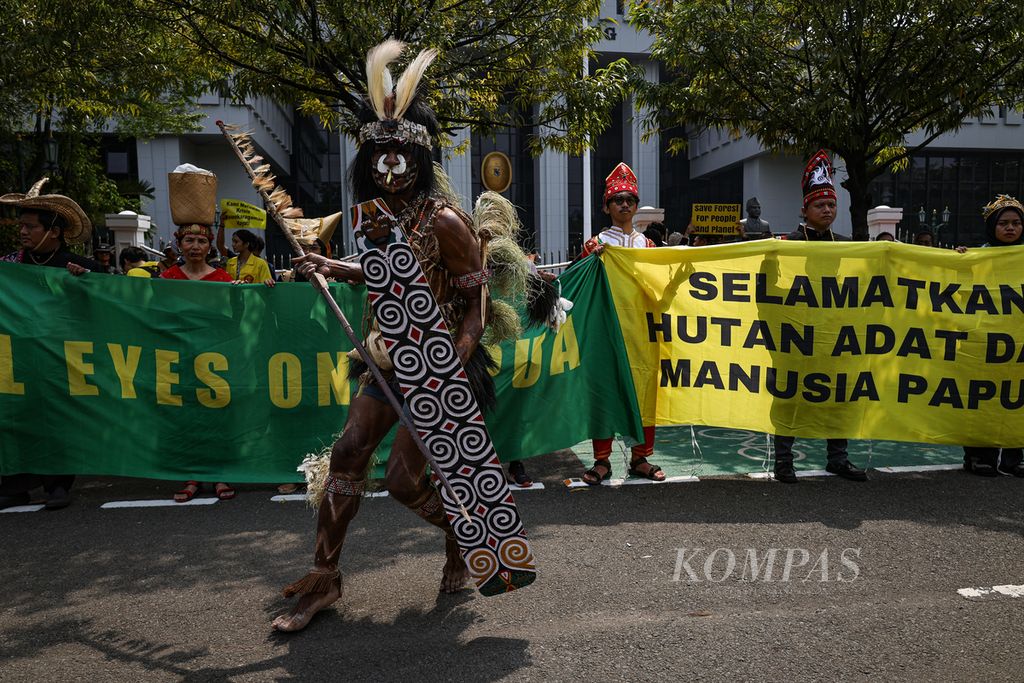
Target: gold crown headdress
{"x": 391, "y": 100}
{"x": 1003, "y": 201}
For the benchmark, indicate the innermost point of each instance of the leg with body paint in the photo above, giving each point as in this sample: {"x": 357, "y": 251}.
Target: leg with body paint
{"x": 407, "y": 483}
{"x": 368, "y": 423}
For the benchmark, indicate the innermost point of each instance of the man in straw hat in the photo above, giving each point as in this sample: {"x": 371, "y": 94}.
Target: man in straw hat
{"x": 47, "y": 224}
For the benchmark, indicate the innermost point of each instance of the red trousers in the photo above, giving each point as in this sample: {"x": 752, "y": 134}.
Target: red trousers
{"x": 603, "y": 447}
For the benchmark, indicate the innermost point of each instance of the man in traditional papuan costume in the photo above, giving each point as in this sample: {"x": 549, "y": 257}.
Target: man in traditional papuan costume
{"x": 401, "y": 198}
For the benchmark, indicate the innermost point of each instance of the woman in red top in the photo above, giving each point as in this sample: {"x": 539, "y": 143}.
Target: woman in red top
{"x": 194, "y": 243}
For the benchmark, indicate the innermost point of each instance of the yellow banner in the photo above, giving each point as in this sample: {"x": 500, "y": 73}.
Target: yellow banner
{"x": 715, "y": 219}
{"x": 869, "y": 340}
{"x": 234, "y": 213}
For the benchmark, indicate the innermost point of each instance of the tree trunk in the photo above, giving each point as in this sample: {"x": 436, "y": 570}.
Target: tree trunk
{"x": 860, "y": 198}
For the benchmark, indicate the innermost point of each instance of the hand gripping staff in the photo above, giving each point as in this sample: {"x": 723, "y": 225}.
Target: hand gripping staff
{"x": 263, "y": 185}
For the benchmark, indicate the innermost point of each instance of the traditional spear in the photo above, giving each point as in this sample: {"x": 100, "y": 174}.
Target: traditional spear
{"x": 320, "y": 284}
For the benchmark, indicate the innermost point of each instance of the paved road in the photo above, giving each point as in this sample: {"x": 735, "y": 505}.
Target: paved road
{"x": 188, "y": 593}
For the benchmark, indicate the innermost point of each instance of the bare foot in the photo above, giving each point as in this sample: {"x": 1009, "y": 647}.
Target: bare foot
{"x": 308, "y": 605}
{"x": 455, "y": 575}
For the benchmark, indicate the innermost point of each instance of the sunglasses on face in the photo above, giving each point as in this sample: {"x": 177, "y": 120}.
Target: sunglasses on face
{"x": 624, "y": 200}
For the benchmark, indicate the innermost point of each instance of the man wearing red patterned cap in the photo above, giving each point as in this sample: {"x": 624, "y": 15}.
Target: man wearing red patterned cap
{"x": 819, "y": 213}
{"x": 621, "y": 197}
{"x": 819, "y": 202}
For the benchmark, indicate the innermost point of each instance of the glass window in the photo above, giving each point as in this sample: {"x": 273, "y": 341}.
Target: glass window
{"x": 117, "y": 163}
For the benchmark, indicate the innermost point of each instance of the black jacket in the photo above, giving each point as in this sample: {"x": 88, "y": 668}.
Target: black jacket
{"x": 808, "y": 234}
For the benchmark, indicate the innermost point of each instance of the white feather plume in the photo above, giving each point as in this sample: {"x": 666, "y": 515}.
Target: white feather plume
{"x": 378, "y": 78}
{"x": 405, "y": 91}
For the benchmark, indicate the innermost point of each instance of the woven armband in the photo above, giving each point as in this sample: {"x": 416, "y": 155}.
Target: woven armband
{"x": 470, "y": 280}
{"x": 344, "y": 487}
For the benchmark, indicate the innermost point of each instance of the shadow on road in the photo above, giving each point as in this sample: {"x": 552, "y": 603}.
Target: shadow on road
{"x": 333, "y": 647}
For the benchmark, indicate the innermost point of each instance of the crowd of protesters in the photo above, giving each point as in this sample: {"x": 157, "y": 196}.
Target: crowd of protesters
{"x": 49, "y": 226}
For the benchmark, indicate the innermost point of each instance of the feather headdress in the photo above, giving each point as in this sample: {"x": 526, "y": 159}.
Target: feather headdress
{"x": 390, "y": 101}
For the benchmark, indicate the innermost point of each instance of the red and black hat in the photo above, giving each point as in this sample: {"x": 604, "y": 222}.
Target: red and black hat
{"x": 817, "y": 181}
{"x": 621, "y": 179}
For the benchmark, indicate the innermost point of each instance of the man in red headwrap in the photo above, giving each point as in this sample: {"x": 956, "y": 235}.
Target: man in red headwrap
{"x": 621, "y": 197}
{"x": 819, "y": 213}
{"x": 819, "y": 202}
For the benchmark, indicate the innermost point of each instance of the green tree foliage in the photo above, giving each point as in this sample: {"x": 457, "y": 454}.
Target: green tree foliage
{"x": 72, "y": 70}
{"x": 501, "y": 63}
{"x": 853, "y": 76}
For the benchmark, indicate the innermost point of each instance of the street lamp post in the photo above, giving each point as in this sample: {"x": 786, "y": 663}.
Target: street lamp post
{"x": 50, "y": 151}
{"x": 934, "y": 225}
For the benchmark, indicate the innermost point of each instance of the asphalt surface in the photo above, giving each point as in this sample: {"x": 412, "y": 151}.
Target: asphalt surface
{"x": 188, "y": 593}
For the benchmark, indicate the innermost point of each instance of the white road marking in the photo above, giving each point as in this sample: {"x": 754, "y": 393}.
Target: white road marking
{"x": 24, "y": 508}
{"x": 799, "y": 473}
{"x": 1007, "y": 590}
{"x": 286, "y": 497}
{"x": 162, "y": 502}
{"x": 536, "y": 486}
{"x": 919, "y": 468}
{"x": 576, "y": 483}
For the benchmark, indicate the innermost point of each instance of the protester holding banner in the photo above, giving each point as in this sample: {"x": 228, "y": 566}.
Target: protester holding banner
{"x": 621, "y": 197}
{"x": 819, "y": 212}
{"x": 193, "y": 200}
{"x": 1004, "y": 227}
{"x": 133, "y": 263}
{"x": 195, "y": 242}
{"x": 47, "y": 224}
{"x": 247, "y": 267}
{"x": 924, "y": 238}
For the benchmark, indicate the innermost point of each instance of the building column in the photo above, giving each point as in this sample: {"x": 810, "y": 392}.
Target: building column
{"x": 347, "y": 153}
{"x": 645, "y": 154}
{"x": 157, "y": 158}
{"x": 459, "y": 169}
{"x": 552, "y": 219}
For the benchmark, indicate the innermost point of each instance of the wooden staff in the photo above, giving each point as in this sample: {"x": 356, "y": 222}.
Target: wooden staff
{"x": 320, "y": 284}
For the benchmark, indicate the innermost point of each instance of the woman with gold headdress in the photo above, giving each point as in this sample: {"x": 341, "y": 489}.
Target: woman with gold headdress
{"x": 1004, "y": 227}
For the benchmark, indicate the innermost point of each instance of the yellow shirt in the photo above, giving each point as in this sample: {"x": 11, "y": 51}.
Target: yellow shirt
{"x": 145, "y": 270}
{"x": 254, "y": 270}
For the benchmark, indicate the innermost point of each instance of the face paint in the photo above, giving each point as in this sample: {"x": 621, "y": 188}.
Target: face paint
{"x": 394, "y": 168}
{"x": 391, "y": 172}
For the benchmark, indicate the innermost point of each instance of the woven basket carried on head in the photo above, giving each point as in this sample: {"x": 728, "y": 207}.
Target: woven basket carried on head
{"x": 193, "y": 198}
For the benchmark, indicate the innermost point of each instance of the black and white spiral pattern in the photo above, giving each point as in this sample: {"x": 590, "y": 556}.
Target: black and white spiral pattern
{"x": 457, "y": 401}
{"x": 409, "y": 363}
{"x": 446, "y": 413}
{"x": 444, "y": 449}
{"x": 390, "y": 316}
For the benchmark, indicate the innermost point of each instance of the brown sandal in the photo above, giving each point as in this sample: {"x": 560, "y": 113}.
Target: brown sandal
{"x": 592, "y": 477}
{"x": 651, "y": 472}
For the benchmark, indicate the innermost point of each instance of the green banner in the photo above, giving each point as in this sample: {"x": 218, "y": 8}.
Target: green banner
{"x": 193, "y": 380}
